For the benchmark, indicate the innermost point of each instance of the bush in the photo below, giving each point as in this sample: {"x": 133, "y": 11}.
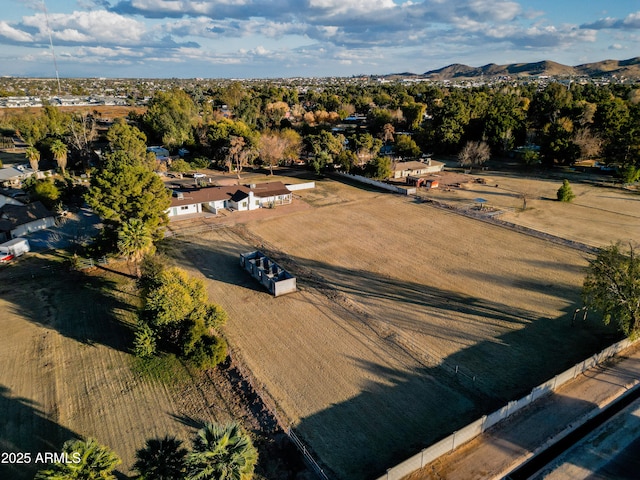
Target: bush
{"x": 565, "y": 194}
{"x": 200, "y": 162}
{"x": 208, "y": 352}
{"x": 180, "y": 166}
{"x": 630, "y": 174}
{"x": 144, "y": 344}
{"x": 216, "y": 316}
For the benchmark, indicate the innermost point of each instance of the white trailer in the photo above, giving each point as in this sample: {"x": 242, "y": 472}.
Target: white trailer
{"x": 13, "y": 248}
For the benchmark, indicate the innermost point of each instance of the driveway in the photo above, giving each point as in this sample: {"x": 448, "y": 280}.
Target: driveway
{"x": 74, "y": 228}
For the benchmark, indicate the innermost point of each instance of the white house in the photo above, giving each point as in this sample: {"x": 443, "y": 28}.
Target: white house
{"x": 198, "y": 200}
{"x": 415, "y": 169}
{"x": 19, "y": 220}
{"x": 233, "y": 197}
{"x": 271, "y": 194}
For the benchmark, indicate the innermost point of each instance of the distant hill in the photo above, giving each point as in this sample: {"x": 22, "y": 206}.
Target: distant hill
{"x": 628, "y": 68}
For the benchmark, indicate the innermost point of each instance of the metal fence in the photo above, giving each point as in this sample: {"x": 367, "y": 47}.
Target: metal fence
{"x": 307, "y": 455}
{"x": 193, "y": 230}
{"x": 270, "y": 405}
{"x": 84, "y": 263}
{"x": 474, "y": 429}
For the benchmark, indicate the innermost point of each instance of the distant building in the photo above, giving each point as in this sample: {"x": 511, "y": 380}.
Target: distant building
{"x": 416, "y": 169}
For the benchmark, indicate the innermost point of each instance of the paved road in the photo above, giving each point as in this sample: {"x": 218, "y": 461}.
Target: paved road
{"x": 503, "y": 448}
{"x": 609, "y": 452}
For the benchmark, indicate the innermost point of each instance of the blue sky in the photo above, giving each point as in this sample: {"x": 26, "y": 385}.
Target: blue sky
{"x": 290, "y": 38}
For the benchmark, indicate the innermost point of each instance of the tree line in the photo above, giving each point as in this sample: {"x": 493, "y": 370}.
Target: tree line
{"x": 235, "y": 125}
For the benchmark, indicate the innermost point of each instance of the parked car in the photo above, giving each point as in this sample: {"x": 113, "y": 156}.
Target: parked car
{"x": 199, "y": 175}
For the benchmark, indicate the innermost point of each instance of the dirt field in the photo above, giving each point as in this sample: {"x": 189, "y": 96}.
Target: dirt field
{"x": 394, "y": 295}
{"x": 66, "y": 371}
{"x": 599, "y": 215}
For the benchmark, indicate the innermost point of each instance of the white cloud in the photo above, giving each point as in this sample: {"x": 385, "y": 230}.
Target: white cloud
{"x": 97, "y": 26}
{"x": 14, "y": 34}
{"x": 632, "y": 20}
{"x": 260, "y": 50}
{"x": 317, "y": 33}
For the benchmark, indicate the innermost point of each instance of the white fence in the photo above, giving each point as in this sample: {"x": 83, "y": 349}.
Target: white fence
{"x": 300, "y": 186}
{"x": 376, "y": 183}
{"x": 474, "y": 429}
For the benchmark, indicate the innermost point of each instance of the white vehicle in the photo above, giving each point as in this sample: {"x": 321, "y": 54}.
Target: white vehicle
{"x": 13, "y": 248}
{"x": 199, "y": 175}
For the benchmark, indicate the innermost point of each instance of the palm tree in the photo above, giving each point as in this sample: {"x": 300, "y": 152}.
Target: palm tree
{"x": 60, "y": 150}
{"x": 87, "y": 460}
{"x": 135, "y": 241}
{"x": 222, "y": 452}
{"x": 33, "y": 155}
{"x": 161, "y": 459}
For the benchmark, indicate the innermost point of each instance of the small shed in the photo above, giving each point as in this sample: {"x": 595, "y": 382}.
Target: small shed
{"x": 427, "y": 182}
{"x": 273, "y": 277}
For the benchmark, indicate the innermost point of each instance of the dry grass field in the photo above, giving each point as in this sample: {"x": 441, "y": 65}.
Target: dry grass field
{"x": 66, "y": 371}
{"x": 599, "y": 215}
{"x": 394, "y": 295}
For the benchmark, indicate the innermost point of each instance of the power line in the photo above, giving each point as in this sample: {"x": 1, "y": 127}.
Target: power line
{"x": 53, "y": 53}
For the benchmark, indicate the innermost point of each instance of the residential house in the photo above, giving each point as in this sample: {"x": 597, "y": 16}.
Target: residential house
{"x": 13, "y": 176}
{"x": 415, "y": 168}
{"x": 8, "y": 196}
{"x": 20, "y": 220}
{"x": 232, "y": 197}
{"x": 270, "y": 194}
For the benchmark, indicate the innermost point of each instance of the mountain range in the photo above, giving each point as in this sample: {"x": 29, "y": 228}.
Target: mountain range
{"x": 628, "y": 68}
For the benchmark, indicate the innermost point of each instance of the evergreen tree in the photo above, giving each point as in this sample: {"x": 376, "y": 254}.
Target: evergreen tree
{"x": 565, "y": 193}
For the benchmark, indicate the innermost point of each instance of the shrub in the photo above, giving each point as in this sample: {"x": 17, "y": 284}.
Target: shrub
{"x": 144, "y": 344}
{"x": 565, "y": 194}
{"x": 208, "y": 352}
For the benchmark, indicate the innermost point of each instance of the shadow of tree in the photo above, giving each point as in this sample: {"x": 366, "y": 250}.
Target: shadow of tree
{"x": 79, "y": 306}
{"x": 26, "y": 428}
{"x": 411, "y": 409}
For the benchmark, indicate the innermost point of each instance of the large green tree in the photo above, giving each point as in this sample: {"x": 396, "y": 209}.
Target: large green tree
{"x": 123, "y": 192}
{"x": 87, "y": 460}
{"x": 177, "y": 310}
{"x": 170, "y": 118}
{"x": 406, "y": 146}
{"x": 127, "y": 146}
{"x": 222, "y": 452}
{"x": 612, "y": 287}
